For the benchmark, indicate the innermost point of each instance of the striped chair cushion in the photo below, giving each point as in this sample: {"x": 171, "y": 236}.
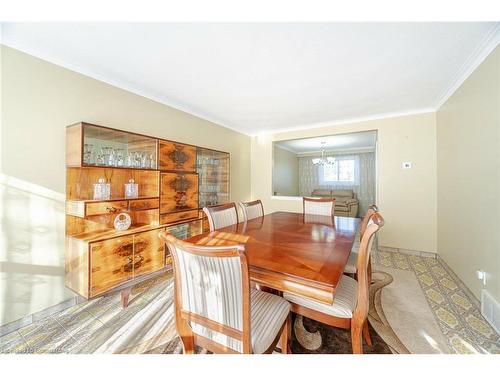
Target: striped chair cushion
{"x": 343, "y": 305}
{"x": 267, "y": 314}
{"x": 251, "y": 212}
{"x": 224, "y": 218}
{"x": 318, "y": 208}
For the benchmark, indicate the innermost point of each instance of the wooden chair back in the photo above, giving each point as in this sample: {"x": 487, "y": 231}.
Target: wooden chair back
{"x": 318, "y": 206}
{"x": 374, "y": 224}
{"x": 221, "y": 216}
{"x": 364, "y": 222}
{"x": 252, "y": 210}
{"x": 211, "y": 289}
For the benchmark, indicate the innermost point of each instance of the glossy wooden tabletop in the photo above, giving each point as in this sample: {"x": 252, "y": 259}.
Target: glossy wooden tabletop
{"x": 302, "y": 254}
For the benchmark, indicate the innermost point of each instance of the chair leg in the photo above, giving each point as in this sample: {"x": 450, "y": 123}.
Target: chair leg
{"x": 187, "y": 344}
{"x": 285, "y": 336}
{"x": 366, "y": 333}
{"x": 186, "y": 335}
{"x": 357, "y": 343}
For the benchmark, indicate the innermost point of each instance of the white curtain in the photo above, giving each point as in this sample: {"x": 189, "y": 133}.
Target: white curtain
{"x": 363, "y": 184}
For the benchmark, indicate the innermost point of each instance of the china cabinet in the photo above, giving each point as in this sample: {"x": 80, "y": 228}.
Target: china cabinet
{"x": 160, "y": 184}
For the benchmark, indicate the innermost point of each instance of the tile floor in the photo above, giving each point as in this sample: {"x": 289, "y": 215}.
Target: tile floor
{"x": 101, "y": 325}
{"x": 92, "y": 326}
{"x": 456, "y": 311}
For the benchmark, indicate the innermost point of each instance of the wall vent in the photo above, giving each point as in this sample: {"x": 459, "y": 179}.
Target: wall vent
{"x": 490, "y": 309}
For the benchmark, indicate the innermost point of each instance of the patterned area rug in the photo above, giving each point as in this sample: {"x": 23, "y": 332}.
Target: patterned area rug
{"x": 334, "y": 341}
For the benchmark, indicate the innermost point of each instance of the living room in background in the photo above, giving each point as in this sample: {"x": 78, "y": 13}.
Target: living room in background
{"x": 342, "y": 166}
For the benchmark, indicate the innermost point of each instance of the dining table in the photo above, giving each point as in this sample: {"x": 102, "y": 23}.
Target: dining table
{"x": 292, "y": 252}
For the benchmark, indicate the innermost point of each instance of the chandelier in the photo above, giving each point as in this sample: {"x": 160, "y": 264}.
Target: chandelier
{"x": 323, "y": 160}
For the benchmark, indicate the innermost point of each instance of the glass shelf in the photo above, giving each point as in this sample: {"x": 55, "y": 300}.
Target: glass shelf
{"x": 103, "y": 147}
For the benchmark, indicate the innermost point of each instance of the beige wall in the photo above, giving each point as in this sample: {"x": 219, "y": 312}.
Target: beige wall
{"x": 38, "y": 100}
{"x": 285, "y": 172}
{"x": 468, "y": 159}
{"x": 407, "y": 198}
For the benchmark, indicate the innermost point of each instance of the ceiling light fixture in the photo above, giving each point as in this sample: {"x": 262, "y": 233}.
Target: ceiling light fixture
{"x": 323, "y": 160}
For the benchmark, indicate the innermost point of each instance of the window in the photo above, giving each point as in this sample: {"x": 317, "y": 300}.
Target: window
{"x": 342, "y": 171}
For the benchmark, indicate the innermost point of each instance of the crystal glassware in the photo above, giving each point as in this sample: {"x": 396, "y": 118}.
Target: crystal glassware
{"x": 137, "y": 159}
{"x": 102, "y": 190}
{"x": 99, "y": 159}
{"x": 144, "y": 160}
{"x": 131, "y": 189}
{"x": 106, "y": 152}
{"x": 119, "y": 157}
{"x": 88, "y": 150}
{"x": 111, "y": 158}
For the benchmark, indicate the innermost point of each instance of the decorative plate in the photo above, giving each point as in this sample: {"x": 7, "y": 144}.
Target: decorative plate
{"x": 122, "y": 221}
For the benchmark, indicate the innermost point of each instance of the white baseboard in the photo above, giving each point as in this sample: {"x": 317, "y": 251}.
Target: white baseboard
{"x": 490, "y": 309}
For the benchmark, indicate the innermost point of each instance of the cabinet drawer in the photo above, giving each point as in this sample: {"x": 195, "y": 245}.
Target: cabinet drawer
{"x": 144, "y": 204}
{"x": 149, "y": 252}
{"x": 100, "y": 208}
{"x": 177, "y": 156}
{"x": 111, "y": 263}
{"x": 179, "y": 191}
{"x": 178, "y": 216}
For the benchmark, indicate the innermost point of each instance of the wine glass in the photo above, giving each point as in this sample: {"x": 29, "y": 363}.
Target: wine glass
{"x": 106, "y": 151}
{"x": 119, "y": 157}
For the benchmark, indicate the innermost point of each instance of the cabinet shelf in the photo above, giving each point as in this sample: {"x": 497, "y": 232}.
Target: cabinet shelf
{"x": 104, "y": 234}
{"x": 114, "y": 199}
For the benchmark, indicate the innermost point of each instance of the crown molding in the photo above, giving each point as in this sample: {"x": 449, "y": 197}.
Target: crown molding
{"x": 127, "y": 87}
{"x": 345, "y": 151}
{"x": 483, "y": 49}
{"x": 283, "y": 147}
{"x": 346, "y": 121}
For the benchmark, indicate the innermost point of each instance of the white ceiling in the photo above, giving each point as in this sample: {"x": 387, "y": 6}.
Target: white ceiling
{"x": 340, "y": 142}
{"x": 268, "y": 77}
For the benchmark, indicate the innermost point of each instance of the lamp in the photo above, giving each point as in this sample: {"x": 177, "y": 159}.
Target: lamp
{"x": 323, "y": 160}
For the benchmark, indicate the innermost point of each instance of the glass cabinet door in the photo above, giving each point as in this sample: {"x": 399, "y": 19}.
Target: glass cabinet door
{"x": 213, "y": 170}
{"x": 105, "y": 147}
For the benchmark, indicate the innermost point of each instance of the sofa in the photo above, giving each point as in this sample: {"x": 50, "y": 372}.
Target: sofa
{"x": 346, "y": 203}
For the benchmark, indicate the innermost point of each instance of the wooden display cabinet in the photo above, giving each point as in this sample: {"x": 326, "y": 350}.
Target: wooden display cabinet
{"x": 170, "y": 176}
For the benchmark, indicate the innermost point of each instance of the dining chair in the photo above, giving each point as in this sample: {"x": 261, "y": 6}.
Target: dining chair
{"x": 252, "y": 210}
{"x": 214, "y": 305}
{"x": 318, "y": 206}
{"x": 349, "y": 309}
{"x": 351, "y": 267}
{"x": 221, "y": 216}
